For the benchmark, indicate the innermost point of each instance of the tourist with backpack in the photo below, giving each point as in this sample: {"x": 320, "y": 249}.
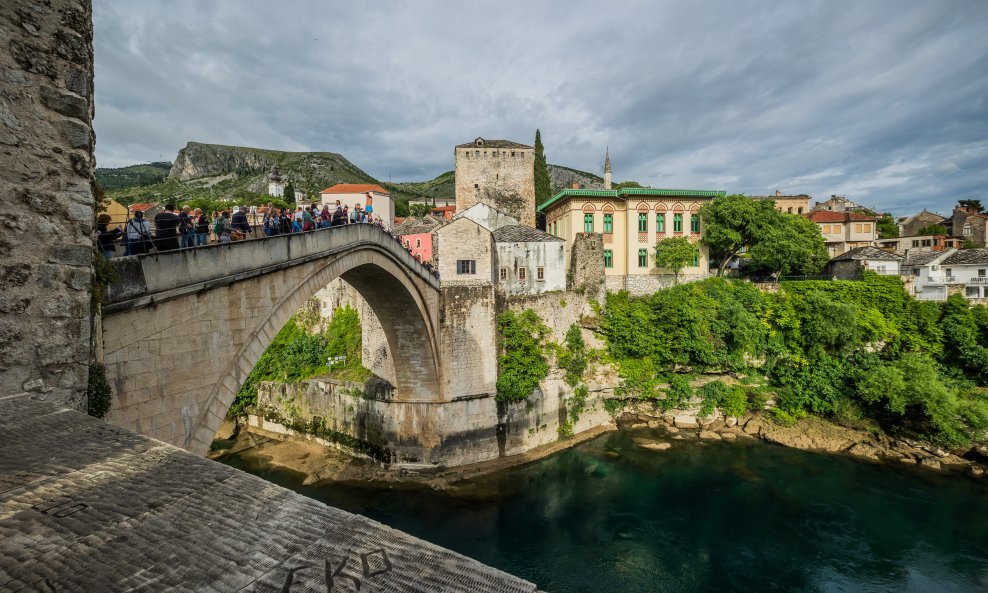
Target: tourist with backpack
{"x": 223, "y": 227}
{"x": 201, "y": 228}
{"x": 138, "y": 235}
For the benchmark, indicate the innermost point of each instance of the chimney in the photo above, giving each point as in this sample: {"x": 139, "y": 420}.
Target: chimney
{"x": 777, "y": 193}
{"x": 576, "y": 185}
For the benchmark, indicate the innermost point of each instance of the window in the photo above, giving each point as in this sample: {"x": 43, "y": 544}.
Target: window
{"x": 504, "y": 273}
{"x": 981, "y": 273}
{"x": 588, "y": 223}
{"x": 642, "y": 222}
{"x": 677, "y": 223}
{"x": 608, "y": 223}
{"x": 608, "y": 259}
{"x": 696, "y": 259}
{"x": 968, "y": 231}
{"x": 540, "y": 274}
{"x": 694, "y": 223}
{"x": 660, "y": 223}
{"x": 790, "y": 210}
{"x": 466, "y": 266}
{"x": 915, "y": 242}
{"x": 642, "y": 258}
{"x": 521, "y": 274}
{"x": 800, "y": 209}
{"x": 418, "y": 243}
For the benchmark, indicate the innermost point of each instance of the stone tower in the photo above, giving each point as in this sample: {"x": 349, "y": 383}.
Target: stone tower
{"x": 275, "y": 188}
{"x": 499, "y": 173}
{"x": 607, "y": 168}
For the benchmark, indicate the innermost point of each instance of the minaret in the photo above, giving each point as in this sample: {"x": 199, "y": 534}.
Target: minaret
{"x": 607, "y": 168}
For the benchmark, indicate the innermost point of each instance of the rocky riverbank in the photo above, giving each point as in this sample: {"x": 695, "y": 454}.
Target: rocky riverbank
{"x": 809, "y": 434}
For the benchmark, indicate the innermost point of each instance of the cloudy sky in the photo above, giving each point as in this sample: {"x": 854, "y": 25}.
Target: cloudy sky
{"x": 881, "y": 101}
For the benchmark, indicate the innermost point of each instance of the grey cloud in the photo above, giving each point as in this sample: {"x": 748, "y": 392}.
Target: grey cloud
{"x": 881, "y": 100}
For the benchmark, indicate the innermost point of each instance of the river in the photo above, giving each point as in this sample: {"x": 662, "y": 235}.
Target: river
{"x": 608, "y": 516}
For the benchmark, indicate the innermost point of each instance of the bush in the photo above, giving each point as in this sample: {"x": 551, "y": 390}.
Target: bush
{"x": 522, "y": 363}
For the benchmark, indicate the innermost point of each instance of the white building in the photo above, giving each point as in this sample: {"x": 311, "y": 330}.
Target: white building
{"x": 529, "y": 261}
{"x": 851, "y": 263}
{"x": 938, "y": 274}
{"x": 276, "y": 189}
{"x": 352, "y": 194}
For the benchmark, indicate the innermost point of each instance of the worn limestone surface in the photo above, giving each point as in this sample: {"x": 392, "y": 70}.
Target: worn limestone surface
{"x": 46, "y": 163}
{"x": 87, "y": 506}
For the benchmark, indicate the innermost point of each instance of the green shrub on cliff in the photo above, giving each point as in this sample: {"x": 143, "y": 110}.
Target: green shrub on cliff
{"x": 522, "y": 363}
{"x": 843, "y": 349}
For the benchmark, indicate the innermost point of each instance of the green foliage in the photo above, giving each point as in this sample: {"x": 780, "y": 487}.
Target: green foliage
{"x": 573, "y": 357}
{"x": 679, "y": 394}
{"x": 99, "y": 392}
{"x": 627, "y": 185}
{"x": 543, "y": 189}
{"x": 732, "y": 223}
{"x": 848, "y": 350}
{"x": 296, "y": 355}
{"x": 887, "y": 227}
{"x": 972, "y": 204}
{"x": 578, "y": 402}
{"x": 790, "y": 245}
{"x": 522, "y": 363}
{"x": 289, "y": 192}
{"x": 565, "y": 430}
{"x": 675, "y": 253}
{"x": 132, "y": 176}
{"x": 932, "y": 229}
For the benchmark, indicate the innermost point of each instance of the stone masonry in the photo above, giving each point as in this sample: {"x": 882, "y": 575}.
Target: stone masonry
{"x": 46, "y": 190}
{"x": 499, "y": 173}
{"x": 586, "y": 273}
{"x": 184, "y": 329}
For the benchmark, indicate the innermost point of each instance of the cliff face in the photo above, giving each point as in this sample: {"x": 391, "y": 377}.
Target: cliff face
{"x": 206, "y": 160}
{"x": 561, "y": 178}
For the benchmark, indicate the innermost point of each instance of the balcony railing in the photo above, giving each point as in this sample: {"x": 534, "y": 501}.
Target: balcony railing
{"x": 979, "y": 280}
{"x": 950, "y": 279}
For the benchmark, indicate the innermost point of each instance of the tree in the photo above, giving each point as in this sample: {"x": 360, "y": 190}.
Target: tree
{"x": 973, "y": 204}
{"x": 675, "y": 254}
{"x": 792, "y": 245}
{"x": 732, "y": 223}
{"x": 887, "y": 227}
{"x": 290, "y": 192}
{"x": 626, "y": 184}
{"x": 932, "y": 229}
{"x": 543, "y": 189}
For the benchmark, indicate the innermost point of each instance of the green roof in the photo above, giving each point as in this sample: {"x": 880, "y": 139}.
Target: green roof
{"x": 629, "y": 191}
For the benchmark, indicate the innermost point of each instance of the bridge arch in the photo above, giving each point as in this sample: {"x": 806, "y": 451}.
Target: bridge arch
{"x": 226, "y": 322}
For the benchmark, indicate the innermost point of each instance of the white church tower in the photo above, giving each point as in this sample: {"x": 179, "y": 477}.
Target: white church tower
{"x": 276, "y": 188}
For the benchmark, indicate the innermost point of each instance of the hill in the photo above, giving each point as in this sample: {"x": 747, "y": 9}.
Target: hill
{"x": 213, "y": 171}
{"x": 132, "y": 176}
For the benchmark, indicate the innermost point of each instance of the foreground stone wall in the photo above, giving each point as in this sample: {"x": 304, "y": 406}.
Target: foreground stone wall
{"x": 46, "y": 164}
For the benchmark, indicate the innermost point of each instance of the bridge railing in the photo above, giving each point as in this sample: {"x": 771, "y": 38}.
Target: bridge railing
{"x": 166, "y": 270}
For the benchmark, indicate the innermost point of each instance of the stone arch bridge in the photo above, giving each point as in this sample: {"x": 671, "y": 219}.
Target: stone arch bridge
{"x": 181, "y": 330}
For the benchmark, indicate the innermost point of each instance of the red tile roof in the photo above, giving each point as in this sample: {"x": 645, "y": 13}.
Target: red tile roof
{"x": 141, "y": 207}
{"x": 828, "y": 216}
{"x": 354, "y": 188}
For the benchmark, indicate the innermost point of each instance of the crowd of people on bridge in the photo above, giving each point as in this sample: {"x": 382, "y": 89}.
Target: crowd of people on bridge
{"x": 189, "y": 228}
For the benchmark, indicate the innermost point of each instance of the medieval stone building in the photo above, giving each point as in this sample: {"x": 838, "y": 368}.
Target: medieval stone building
{"x": 499, "y": 173}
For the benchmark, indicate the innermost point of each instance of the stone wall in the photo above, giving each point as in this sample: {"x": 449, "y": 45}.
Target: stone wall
{"x": 464, "y": 239}
{"x": 646, "y": 284}
{"x": 46, "y": 190}
{"x": 586, "y": 263}
{"x": 467, "y": 341}
{"x": 503, "y": 178}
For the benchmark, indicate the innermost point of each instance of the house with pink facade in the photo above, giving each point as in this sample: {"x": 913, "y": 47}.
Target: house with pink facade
{"x": 416, "y": 235}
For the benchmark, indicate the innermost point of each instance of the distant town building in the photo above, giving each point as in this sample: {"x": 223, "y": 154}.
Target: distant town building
{"x": 117, "y": 211}
{"x": 969, "y": 225}
{"x": 919, "y": 244}
{"x": 910, "y": 226}
{"x": 631, "y": 221}
{"x": 851, "y": 263}
{"x": 351, "y": 194}
{"x": 446, "y": 212}
{"x": 843, "y": 231}
{"x": 276, "y": 188}
{"x": 300, "y": 197}
{"x": 500, "y": 173}
{"x": 790, "y": 204}
{"x": 954, "y": 271}
{"x": 416, "y": 235}
{"x": 837, "y": 204}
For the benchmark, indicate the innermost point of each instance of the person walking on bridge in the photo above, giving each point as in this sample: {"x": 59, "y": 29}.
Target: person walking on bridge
{"x": 166, "y": 228}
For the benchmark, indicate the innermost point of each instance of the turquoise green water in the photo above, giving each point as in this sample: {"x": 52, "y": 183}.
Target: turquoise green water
{"x": 714, "y": 517}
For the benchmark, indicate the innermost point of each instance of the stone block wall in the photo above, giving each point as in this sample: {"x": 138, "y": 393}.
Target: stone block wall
{"x": 468, "y": 341}
{"x": 586, "y": 262}
{"x": 503, "y": 178}
{"x": 464, "y": 239}
{"x": 46, "y": 191}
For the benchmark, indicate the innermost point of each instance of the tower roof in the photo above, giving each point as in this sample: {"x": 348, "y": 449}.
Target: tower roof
{"x": 607, "y": 160}
{"x": 483, "y": 143}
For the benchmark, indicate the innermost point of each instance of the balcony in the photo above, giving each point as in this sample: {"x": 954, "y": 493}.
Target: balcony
{"x": 979, "y": 280}
{"x": 950, "y": 280}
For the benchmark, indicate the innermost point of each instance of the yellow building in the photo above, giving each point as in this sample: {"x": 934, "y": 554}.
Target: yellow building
{"x": 790, "y": 204}
{"x": 118, "y": 213}
{"x": 632, "y": 221}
